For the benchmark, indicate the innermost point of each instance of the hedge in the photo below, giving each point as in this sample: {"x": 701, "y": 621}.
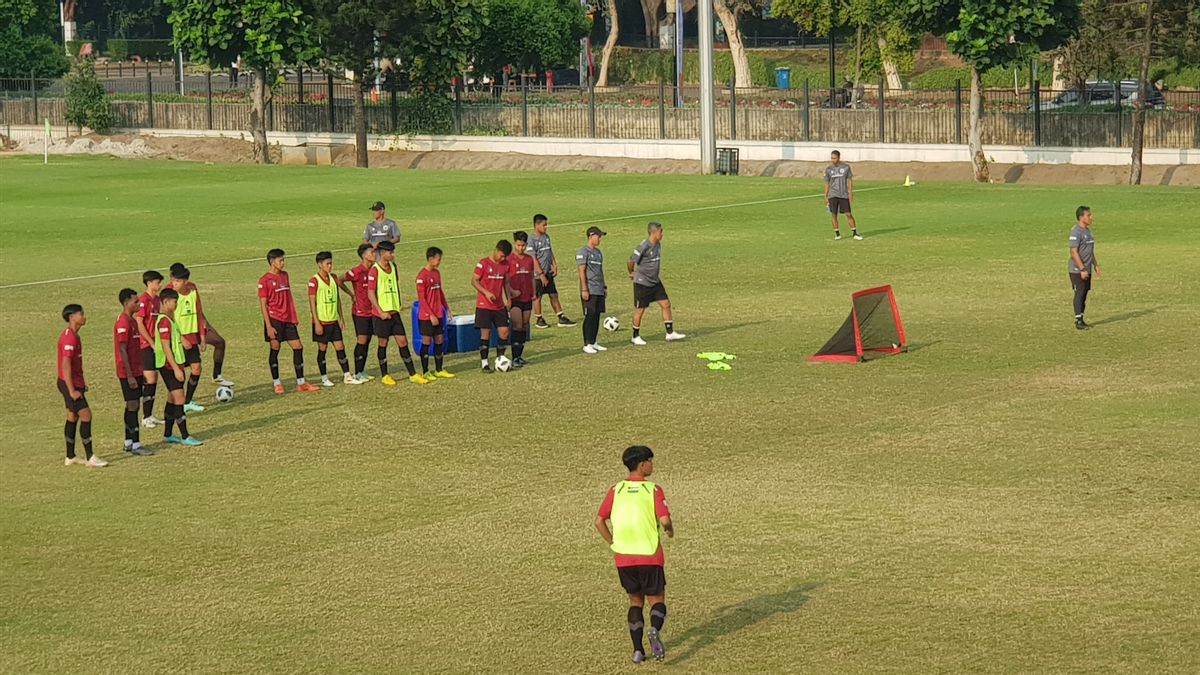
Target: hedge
{"x": 944, "y": 78}
{"x": 121, "y": 49}
{"x": 647, "y": 66}
{"x": 1188, "y": 78}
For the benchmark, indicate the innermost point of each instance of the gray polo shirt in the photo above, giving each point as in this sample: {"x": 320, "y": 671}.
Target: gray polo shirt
{"x": 593, "y": 261}
{"x": 645, "y": 261}
{"x": 539, "y": 246}
{"x": 377, "y": 232}
{"x": 1081, "y": 238}
{"x": 837, "y": 175}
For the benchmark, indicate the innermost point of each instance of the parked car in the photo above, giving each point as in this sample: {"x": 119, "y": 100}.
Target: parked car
{"x": 1100, "y": 92}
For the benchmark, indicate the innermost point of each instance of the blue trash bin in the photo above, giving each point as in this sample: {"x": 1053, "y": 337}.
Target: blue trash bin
{"x": 783, "y": 77}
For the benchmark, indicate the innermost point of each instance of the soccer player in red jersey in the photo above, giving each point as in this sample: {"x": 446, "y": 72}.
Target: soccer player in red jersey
{"x": 212, "y": 338}
{"x": 362, "y": 313}
{"x": 493, "y": 300}
{"x": 73, "y": 387}
{"x": 383, "y": 288}
{"x": 327, "y": 321}
{"x": 433, "y": 313}
{"x": 170, "y": 358}
{"x": 521, "y": 276}
{"x": 127, "y": 352}
{"x": 279, "y": 320}
{"x": 189, "y": 317}
{"x": 147, "y": 308}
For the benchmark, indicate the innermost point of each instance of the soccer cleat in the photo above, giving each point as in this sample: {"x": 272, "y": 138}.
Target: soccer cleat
{"x": 151, "y": 422}
{"x": 363, "y": 377}
{"x": 279, "y": 389}
{"x": 638, "y": 657}
{"x": 172, "y": 439}
{"x": 599, "y": 348}
{"x": 388, "y": 380}
{"x": 192, "y": 440}
{"x": 656, "y": 645}
{"x": 541, "y": 323}
{"x": 96, "y": 463}
{"x": 837, "y": 236}
{"x": 588, "y": 349}
{"x": 419, "y": 379}
{"x": 140, "y": 451}
{"x": 307, "y": 387}
{"x": 638, "y": 340}
{"x": 858, "y": 237}
{"x": 445, "y": 374}
{"x": 520, "y": 362}
{"x": 326, "y": 382}
{"x": 564, "y": 322}
{"x": 429, "y": 376}
{"x": 221, "y": 381}
{"x": 672, "y": 336}
{"x": 73, "y": 460}
{"x": 488, "y": 370}
{"x": 193, "y": 407}
{"x": 1081, "y": 325}
{"x": 517, "y": 364}
{"x": 349, "y": 378}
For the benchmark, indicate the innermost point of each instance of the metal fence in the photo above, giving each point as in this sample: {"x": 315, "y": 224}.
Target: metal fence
{"x": 313, "y": 101}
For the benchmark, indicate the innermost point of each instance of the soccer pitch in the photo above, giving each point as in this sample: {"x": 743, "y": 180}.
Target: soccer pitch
{"x": 1011, "y": 495}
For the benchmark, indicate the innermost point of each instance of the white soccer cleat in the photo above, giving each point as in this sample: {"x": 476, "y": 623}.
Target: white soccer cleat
{"x": 638, "y": 340}
{"x": 222, "y": 381}
{"x": 326, "y": 382}
{"x": 671, "y": 337}
{"x": 363, "y": 377}
{"x": 73, "y": 460}
{"x": 599, "y": 348}
{"x": 151, "y": 422}
{"x": 590, "y": 349}
{"x": 95, "y": 462}
{"x": 858, "y": 237}
{"x": 349, "y": 378}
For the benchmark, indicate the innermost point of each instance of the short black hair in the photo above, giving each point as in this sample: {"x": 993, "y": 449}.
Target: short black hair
{"x": 385, "y": 245}
{"x": 175, "y": 267}
{"x": 363, "y": 248}
{"x": 324, "y": 255}
{"x": 1082, "y": 210}
{"x": 539, "y": 218}
{"x": 169, "y": 294}
{"x": 71, "y": 309}
{"x": 634, "y": 455}
{"x": 504, "y": 247}
{"x": 654, "y": 225}
{"x": 125, "y": 294}
{"x": 836, "y": 152}
{"x": 151, "y": 275}
{"x": 432, "y": 252}
{"x": 181, "y": 272}
{"x": 520, "y": 235}
{"x": 275, "y": 254}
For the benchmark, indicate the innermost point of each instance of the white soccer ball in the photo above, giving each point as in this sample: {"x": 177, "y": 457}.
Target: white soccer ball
{"x": 503, "y": 363}
{"x": 224, "y": 394}
{"x": 611, "y": 323}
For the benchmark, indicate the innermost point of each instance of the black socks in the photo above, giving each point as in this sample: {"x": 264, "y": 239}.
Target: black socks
{"x": 406, "y": 356}
{"x": 342, "y": 362}
{"x": 273, "y": 360}
{"x": 360, "y": 358}
{"x": 658, "y": 615}
{"x": 298, "y": 363}
{"x": 148, "y": 392}
{"x": 69, "y": 431}
{"x": 192, "y": 383}
{"x": 381, "y": 354}
{"x": 321, "y": 365}
{"x": 439, "y": 348}
{"x": 636, "y": 625}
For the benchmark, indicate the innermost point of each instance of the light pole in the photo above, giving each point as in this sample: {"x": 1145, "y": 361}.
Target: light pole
{"x": 708, "y": 132}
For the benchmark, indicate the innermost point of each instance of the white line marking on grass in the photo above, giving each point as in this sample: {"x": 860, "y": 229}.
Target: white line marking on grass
{"x": 433, "y": 240}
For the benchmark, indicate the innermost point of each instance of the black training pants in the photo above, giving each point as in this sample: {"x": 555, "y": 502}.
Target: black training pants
{"x": 593, "y": 309}
{"x": 1081, "y": 287}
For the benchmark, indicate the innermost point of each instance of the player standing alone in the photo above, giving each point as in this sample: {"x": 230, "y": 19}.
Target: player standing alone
{"x": 278, "y": 309}
{"x": 644, "y": 266}
{"x": 434, "y": 310}
{"x": 545, "y": 267}
{"x": 520, "y": 279}
{"x": 1083, "y": 263}
{"x": 637, "y": 507}
{"x": 73, "y": 387}
{"x": 327, "y": 321}
{"x": 839, "y": 192}
{"x": 127, "y": 351}
{"x": 362, "y": 313}
{"x": 492, "y": 301}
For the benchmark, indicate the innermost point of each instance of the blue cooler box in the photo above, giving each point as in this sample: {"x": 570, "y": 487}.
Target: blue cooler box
{"x": 415, "y": 334}
{"x": 463, "y": 336}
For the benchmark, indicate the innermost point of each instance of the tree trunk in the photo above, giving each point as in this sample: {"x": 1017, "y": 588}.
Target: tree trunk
{"x": 1139, "y": 106}
{"x": 737, "y": 48}
{"x": 1057, "y": 81}
{"x": 610, "y": 42}
{"x": 360, "y": 122}
{"x": 979, "y": 163}
{"x": 858, "y": 69}
{"x": 260, "y": 98}
{"x": 649, "y": 17}
{"x": 894, "y": 83}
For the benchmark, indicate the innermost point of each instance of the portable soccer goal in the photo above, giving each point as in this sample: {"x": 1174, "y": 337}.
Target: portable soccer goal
{"x": 873, "y": 328}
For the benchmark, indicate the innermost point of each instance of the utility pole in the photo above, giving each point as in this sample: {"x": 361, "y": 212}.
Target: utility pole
{"x": 708, "y": 132}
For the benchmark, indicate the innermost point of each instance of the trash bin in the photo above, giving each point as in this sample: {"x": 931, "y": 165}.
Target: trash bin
{"x": 783, "y": 77}
{"x": 727, "y": 161}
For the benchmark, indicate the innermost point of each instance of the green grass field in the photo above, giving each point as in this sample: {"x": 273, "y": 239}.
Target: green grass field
{"x": 1010, "y": 496}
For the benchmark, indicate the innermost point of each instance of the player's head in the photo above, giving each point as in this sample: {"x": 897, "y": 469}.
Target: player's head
{"x": 1083, "y": 214}
{"x": 386, "y": 251}
{"x": 366, "y": 253}
{"x": 540, "y": 223}
{"x": 73, "y": 314}
{"x": 276, "y": 259}
{"x": 179, "y": 276}
{"x": 168, "y": 300}
{"x": 835, "y": 156}
{"x": 503, "y": 250}
{"x": 433, "y": 256}
{"x": 520, "y": 241}
{"x": 325, "y": 261}
{"x": 594, "y": 234}
{"x": 378, "y": 209}
{"x": 176, "y": 267}
{"x": 152, "y": 280}
{"x": 654, "y": 232}
{"x": 128, "y": 299}
{"x": 638, "y": 459}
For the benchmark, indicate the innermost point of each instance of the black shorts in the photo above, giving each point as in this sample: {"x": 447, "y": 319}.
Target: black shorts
{"x": 539, "y": 290}
{"x": 284, "y": 331}
{"x": 644, "y": 296}
{"x": 131, "y": 394}
{"x": 486, "y": 319}
{"x": 839, "y": 205}
{"x": 595, "y": 304}
{"x": 192, "y": 355}
{"x": 429, "y": 330}
{"x": 386, "y": 328}
{"x": 168, "y": 379}
{"x": 523, "y": 305}
{"x": 643, "y": 579}
{"x": 72, "y": 404}
{"x": 364, "y": 325}
{"x": 331, "y": 332}
{"x": 148, "y": 359}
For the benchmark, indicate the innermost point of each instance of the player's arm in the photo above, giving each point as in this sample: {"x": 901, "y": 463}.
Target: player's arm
{"x": 341, "y": 317}
{"x": 68, "y": 378}
{"x": 170, "y": 353}
{"x": 475, "y": 283}
{"x": 312, "y": 308}
{"x": 827, "y": 188}
{"x": 1083, "y": 273}
{"x": 849, "y": 188}
{"x": 667, "y": 525}
{"x": 633, "y": 260}
{"x": 374, "y": 298}
{"x": 341, "y": 283}
{"x": 201, "y": 322}
{"x": 123, "y": 357}
{"x": 537, "y": 269}
{"x": 508, "y": 292}
{"x": 662, "y": 512}
{"x": 444, "y": 304}
{"x": 602, "y": 528}
{"x": 262, "y": 305}
{"x": 583, "y": 289}
{"x": 142, "y": 330}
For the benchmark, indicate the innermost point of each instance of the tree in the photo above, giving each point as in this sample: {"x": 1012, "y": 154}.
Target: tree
{"x": 614, "y": 32}
{"x": 441, "y": 40}
{"x": 87, "y": 102}
{"x": 267, "y": 34}
{"x": 986, "y": 34}
{"x": 27, "y": 47}
{"x": 531, "y": 34}
{"x": 729, "y": 12}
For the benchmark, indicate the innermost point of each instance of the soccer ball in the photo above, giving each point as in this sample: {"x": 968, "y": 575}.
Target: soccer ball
{"x": 224, "y": 394}
{"x": 503, "y": 364}
{"x": 611, "y": 323}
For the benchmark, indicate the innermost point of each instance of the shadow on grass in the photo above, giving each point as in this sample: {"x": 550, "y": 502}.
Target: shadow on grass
{"x": 1135, "y": 314}
{"x": 918, "y": 346}
{"x": 733, "y": 618}
{"x": 871, "y": 234}
{"x": 619, "y": 341}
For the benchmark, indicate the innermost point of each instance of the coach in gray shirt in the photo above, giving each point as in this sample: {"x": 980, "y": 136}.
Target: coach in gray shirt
{"x": 644, "y": 267}
{"x": 1082, "y": 264}
{"x": 545, "y": 269}
{"x": 381, "y": 228}
{"x": 592, "y": 289}
{"x": 839, "y": 192}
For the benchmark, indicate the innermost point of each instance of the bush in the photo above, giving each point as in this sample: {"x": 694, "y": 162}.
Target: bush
{"x": 426, "y": 113}
{"x": 996, "y": 78}
{"x": 22, "y": 56}
{"x": 87, "y": 102}
{"x": 1188, "y": 78}
{"x": 121, "y": 49}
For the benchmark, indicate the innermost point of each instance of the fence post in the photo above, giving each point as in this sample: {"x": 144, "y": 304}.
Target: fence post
{"x": 300, "y": 84}
{"x": 160, "y": 66}
{"x": 208, "y": 93}
{"x": 732, "y": 110}
{"x": 329, "y": 98}
{"x": 393, "y": 101}
{"x": 591, "y": 108}
{"x": 524, "y": 105}
{"x": 33, "y": 90}
{"x": 120, "y": 67}
{"x": 271, "y": 113}
{"x": 662, "y": 108}
{"x": 458, "y": 125}
{"x": 1120, "y": 115}
{"x": 1036, "y": 89}
{"x": 958, "y": 112}
{"x": 882, "y": 118}
{"x": 177, "y": 68}
{"x": 149, "y": 98}
{"x": 807, "y": 128}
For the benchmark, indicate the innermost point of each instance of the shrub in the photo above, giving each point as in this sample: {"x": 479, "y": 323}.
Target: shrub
{"x": 22, "y": 56}
{"x": 1188, "y": 77}
{"x": 121, "y": 49}
{"x": 996, "y": 78}
{"x": 87, "y": 102}
{"x": 426, "y": 113}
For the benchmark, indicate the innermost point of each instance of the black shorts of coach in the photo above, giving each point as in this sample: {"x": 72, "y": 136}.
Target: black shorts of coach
{"x": 595, "y": 304}
{"x": 839, "y": 205}
{"x": 72, "y": 404}
{"x": 284, "y": 331}
{"x": 330, "y": 333}
{"x": 539, "y": 290}
{"x": 133, "y": 393}
{"x": 391, "y": 326}
{"x": 167, "y": 375}
{"x": 364, "y": 326}
{"x": 490, "y": 318}
{"x": 644, "y": 296}
{"x": 643, "y": 579}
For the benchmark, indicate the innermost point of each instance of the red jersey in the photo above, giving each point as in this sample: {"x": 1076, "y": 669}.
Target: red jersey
{"x": 357, "y": 276}
{"x": 429, "y": 293}
{"x": 148, "y": 306}
{"x": 520, "y": 274}
{"x": 660, "y": 510}
{"x": 70, "y": 347}
{"x": 491, "y": 275}
{"x": 126, "y": 339}
{"x": 278, "y": 292}
{"x": 312, "y": 291}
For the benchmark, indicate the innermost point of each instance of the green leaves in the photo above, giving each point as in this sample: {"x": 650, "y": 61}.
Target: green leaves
{"x": 531, "y": 34}
{"x": 264, "y": 33}
{"x": 985, "y": 33}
